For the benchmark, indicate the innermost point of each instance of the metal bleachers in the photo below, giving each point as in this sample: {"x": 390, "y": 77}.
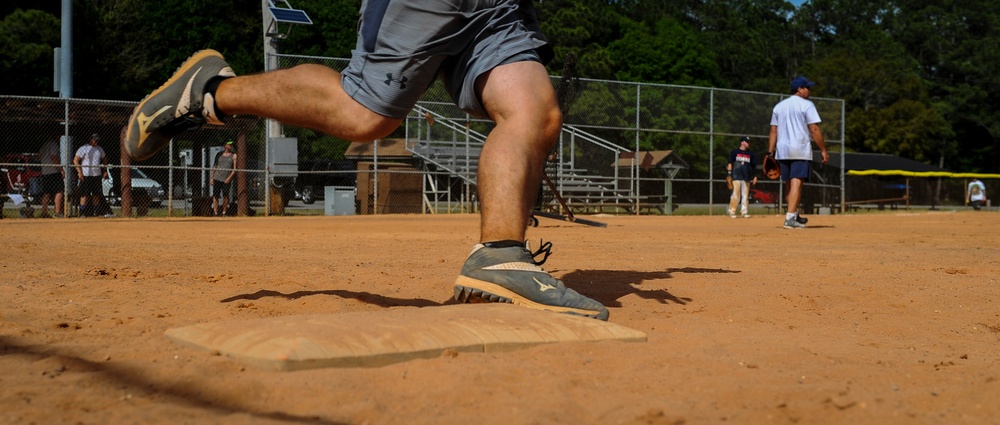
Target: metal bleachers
{"x": 451, "y": 152}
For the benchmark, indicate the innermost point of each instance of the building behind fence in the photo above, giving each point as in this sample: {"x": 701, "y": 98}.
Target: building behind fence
{"x": 625, "y": 148}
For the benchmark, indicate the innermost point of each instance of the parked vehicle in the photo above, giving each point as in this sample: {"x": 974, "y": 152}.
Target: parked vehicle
{"x": 256, "y": 187}
{"x": 758, "y": 196}
{"x": 315, "y": 175}
{"x": 21, "y": 175}
{"x": 140, "y": 182}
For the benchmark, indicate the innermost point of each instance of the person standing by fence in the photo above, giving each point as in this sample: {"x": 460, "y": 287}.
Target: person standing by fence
{"x": 223, "y": 172}
{"x": 91, "y": 168}
{"x": 742, "y": 168}
{"x": 52, "y": 178}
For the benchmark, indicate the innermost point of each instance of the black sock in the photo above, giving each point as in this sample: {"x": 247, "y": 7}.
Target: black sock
{"x": 210, "y": 88}
{"x": 503, "y": 244}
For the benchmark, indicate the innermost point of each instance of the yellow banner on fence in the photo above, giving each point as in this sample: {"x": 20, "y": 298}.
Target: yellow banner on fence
{"x": 923, "y": 174}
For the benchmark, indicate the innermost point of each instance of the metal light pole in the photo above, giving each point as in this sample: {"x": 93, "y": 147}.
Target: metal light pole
{"x": 271, "y": 16}
{"x": 65, "y": 88}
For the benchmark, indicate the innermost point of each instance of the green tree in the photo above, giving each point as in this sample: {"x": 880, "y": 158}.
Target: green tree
{"x": 582, "y": 28}
{"x": 957, "y": 45}
{"x": 27, "y": 38}
{"x": 666, "y": 52}
{"x": 889, "y": 109}
{"x": 918, "y": 75}
{"x": 175, "y": 29}
{"x": 750, "y": 40}
{"x": 890, "y": 105}
{"x": 333, "y": 32}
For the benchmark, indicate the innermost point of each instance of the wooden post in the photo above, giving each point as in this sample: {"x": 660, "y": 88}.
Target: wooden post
{"x": 125, "y": 177}
{"x": 242, "y": 198}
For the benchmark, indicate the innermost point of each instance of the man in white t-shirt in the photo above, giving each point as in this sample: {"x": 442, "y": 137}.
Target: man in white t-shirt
{"x": 794, "y": 121}
{"x": 91, "y": 168}
{"x": 976, "y": 194}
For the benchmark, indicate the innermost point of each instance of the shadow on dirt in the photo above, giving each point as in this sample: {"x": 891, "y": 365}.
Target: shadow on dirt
{"x": 134, "y": 377}
{"x": 365, "y": 297}
{"x": 605, "y": 286}
{"x": 608, "y": 286}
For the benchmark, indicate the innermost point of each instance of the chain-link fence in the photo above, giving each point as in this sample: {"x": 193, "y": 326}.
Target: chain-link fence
{"x": 175, "y": 181}
{"x": 625, "y": 148}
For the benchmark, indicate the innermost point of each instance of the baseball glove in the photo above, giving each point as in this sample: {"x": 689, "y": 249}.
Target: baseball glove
{"x": 729, "y": 181}
{"x": 771, "y": 169}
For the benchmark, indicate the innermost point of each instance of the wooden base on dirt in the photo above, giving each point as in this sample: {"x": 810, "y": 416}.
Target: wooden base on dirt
{"x": 367, "y": 339}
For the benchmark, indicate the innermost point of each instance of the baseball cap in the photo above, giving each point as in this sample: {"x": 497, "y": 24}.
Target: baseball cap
{"x": 229, "y": 142}
{"x": 801, "y": 81}
{"x": 95, "y": 136}
{"x": 745, "y": 139}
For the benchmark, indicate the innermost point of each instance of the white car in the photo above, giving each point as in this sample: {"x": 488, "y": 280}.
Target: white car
{"x": 140, "y": 181}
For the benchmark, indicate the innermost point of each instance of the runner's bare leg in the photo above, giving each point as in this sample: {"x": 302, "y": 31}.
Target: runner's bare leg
{"x": 520, "y": 98}
{"x": 308, "y": 96}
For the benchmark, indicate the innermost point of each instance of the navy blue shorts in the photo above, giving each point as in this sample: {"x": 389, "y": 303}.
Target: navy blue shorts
{"x": 794, "y": 169}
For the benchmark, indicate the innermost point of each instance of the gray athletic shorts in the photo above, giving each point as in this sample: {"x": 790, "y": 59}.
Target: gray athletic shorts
{"x": 403, "y": 45}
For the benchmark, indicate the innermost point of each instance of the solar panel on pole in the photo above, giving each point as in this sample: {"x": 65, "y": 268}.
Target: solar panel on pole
{"x": 290, "y": 16}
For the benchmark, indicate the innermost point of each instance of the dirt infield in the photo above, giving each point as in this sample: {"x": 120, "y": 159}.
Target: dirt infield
{"x": 869, "y": 318}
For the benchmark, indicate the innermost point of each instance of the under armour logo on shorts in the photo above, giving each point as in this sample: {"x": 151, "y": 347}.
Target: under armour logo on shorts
{"x": 389, "y": 80}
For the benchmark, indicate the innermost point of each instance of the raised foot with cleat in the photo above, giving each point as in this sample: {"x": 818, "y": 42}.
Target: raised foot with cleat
{"x": 180, "y": 104}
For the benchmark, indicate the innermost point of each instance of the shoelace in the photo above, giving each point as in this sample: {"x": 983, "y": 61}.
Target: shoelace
{"x": 544, "y": 248}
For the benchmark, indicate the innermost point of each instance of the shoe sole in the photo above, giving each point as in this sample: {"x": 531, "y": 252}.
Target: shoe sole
{"x": 794, "y": 227}
{"x": 469, "y": 290}
{"x": 142, "y": 144}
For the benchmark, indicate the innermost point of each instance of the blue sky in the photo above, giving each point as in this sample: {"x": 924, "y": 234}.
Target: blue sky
{"x": 797, "y": 2}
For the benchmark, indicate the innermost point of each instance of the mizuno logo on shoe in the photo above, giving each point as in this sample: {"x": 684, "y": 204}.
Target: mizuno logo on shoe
{"x": 543, "y": 286}
{"x": 144, "y": 121}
